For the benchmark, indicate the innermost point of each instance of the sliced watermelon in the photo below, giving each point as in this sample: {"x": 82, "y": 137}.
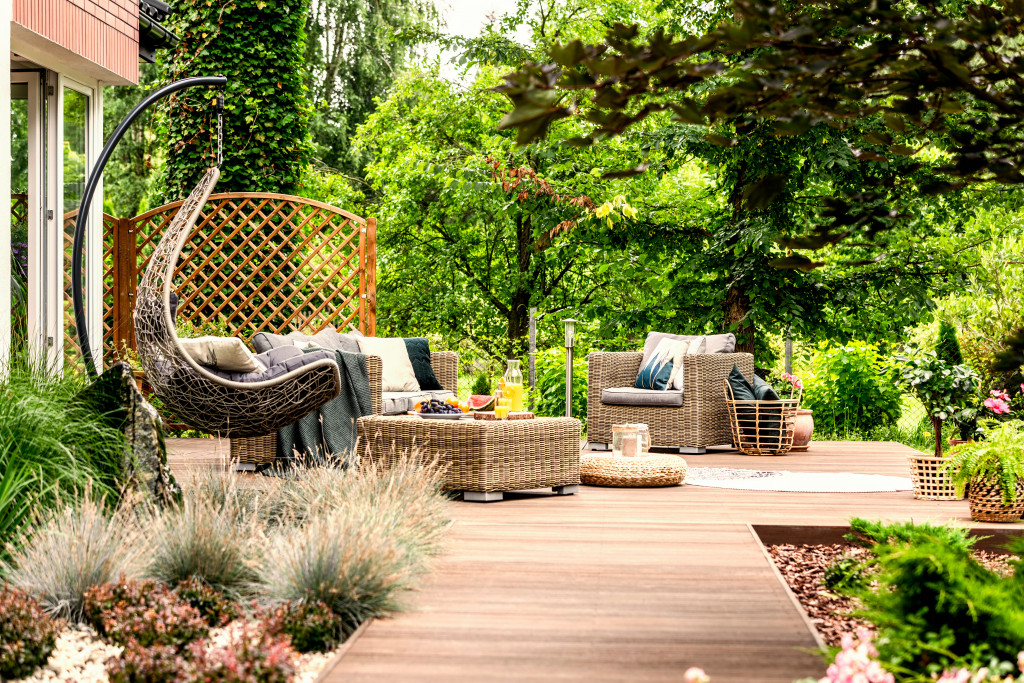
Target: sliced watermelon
{"x": 480, "y": 402}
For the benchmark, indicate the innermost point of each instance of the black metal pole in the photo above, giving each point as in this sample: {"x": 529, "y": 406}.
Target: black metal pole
{"x": 78, "y": 249}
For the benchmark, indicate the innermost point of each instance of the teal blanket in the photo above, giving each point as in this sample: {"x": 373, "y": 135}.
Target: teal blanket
{"x": 328, "y": 435}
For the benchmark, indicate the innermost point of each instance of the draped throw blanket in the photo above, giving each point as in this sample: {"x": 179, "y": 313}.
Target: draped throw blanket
{"x": 328, "y": 435}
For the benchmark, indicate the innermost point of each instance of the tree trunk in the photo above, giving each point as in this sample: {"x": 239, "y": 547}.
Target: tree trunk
{"x": 937, "y": 426}
{"x": 736, "y": 309}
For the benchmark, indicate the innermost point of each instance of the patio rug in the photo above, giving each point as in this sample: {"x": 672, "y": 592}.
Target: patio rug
{"x": 800, "y": 482}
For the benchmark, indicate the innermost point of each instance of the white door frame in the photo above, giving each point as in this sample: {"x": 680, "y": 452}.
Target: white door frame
{"x": 36, "y": 243}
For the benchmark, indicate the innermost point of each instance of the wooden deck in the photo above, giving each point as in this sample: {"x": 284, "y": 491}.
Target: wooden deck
{"x": 620, "y": 584}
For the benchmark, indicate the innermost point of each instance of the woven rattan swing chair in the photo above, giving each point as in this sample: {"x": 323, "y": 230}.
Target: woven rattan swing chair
{"x": 193, "y": 392}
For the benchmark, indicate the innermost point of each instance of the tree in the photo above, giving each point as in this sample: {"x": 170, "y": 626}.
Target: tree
{"x": 127, "y": 178}
{"x": 353, "y": 54}
{"x": 259, "y": 46}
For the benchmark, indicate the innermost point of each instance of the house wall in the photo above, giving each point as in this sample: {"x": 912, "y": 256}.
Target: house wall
{"x": 104, "y": 32}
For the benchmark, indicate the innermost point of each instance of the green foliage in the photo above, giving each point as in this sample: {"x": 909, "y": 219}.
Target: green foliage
{"x": 27, "y": 634}
{"x": 259, "y": 46}
{"x": 935, "y": 606}
{"x": 353, "y": 53}
{"x": 216, "y": 609}
{"x": 850, "y": 390}
{"x": 550, "y": 398}
{"x": 999, "y": 457}
{"x": 867, "y": 533}
{"x": 844, "y": 574}
{"x": 481, "y": 385}
{"x": 947, "y": 347}
{"x": 146, "y": 612}
{"x": 128, "y": 176}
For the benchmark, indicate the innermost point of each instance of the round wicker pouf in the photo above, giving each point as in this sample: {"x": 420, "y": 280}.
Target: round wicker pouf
{"x": 649, "y": 470}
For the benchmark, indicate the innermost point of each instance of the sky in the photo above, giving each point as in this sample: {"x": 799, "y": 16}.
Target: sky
{"x": 469, "y": 18}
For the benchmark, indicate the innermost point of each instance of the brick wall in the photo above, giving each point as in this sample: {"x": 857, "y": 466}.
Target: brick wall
{"x": 103, "y": 31}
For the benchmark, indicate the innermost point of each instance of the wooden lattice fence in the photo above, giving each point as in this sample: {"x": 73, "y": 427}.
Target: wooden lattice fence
{"x": 256, "y": 262}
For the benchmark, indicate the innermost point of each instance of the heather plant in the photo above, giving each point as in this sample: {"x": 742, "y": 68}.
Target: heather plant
{"x": 850, "y": 389}
{"x": 310, "y": 626}
{"x": 27, "y": 634}
{"x": 250, "y": 655}
{"x": 144, "y": 612}
{"x": 80, "y": 546}
{"x": 156, "y": 664}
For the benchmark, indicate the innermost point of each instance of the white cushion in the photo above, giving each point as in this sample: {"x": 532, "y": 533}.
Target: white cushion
{"x": 396, "y": 368}
{"x": 224, "y": 353}
{"x": 697, "y": 345}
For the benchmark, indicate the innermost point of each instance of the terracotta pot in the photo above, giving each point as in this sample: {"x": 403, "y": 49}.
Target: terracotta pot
{"x": 802, "y": 429}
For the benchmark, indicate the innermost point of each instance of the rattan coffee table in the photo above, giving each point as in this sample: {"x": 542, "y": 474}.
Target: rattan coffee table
{"x": 484, "y": 458}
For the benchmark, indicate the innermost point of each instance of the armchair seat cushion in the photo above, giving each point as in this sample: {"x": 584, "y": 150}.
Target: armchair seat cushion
{"x": 631, "y": 396}
{"x": 401, "y": 402}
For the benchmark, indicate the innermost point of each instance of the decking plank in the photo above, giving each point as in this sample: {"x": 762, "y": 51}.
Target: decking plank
{"x": 617, "y": 584}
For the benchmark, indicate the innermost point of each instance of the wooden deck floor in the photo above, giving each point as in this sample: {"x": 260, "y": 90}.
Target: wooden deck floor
{"x": 620, "y": 584}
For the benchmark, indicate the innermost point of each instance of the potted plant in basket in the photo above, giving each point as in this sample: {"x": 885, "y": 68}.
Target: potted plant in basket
{"x": 992, "y": 470}
{"x": 944, "y": 389}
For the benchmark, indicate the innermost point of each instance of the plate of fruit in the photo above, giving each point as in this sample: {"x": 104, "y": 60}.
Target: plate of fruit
{"x": 435, "y": 409}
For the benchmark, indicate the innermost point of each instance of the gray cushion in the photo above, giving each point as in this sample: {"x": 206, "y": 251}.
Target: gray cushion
{"x": 720, "y": 343}
{"x": 631, "y": 396}
{"x": 714, "y": 343}
{"x": 278, "y": 361}
{"x": 328, "y": 339}
{"x": 401, "y": 402}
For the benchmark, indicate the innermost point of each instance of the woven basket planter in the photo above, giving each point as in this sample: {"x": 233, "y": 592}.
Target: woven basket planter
{"x": 929, "y": 479}
{"x": 747, "y": 420}
{"x": 255, "y": 450}
{"x": 985, "y": 497}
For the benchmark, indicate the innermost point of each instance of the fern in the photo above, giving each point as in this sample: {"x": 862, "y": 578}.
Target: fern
{"x": 999, "y": 457}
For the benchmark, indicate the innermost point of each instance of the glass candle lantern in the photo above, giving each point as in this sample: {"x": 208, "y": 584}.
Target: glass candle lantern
{"x": 626, "y": 441}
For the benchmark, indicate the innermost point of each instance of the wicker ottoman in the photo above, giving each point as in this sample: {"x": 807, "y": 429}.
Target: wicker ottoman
{"x": 649, "y": 470}
{"x": 483, "y": 458}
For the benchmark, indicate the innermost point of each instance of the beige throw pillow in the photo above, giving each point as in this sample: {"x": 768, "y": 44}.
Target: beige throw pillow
{"x": 396, "y": 368}
{"x": 224, "y": 353}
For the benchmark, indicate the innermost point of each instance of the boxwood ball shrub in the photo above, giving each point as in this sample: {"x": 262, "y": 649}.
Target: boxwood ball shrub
{"x": 850, "y": 389}
{"x": 27, "y": 634}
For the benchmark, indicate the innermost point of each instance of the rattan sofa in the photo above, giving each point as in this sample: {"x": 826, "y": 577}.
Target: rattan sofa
{"x": 700, "y": 421}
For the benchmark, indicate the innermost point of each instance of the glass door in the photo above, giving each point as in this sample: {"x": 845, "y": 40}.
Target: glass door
{"x": 75, "y": 162}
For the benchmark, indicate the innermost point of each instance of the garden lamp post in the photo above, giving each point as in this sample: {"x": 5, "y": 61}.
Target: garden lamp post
{"x": 570, "y": 343}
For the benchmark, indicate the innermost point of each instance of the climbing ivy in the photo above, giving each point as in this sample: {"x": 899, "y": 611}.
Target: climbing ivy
{"x": 258, "y": 45}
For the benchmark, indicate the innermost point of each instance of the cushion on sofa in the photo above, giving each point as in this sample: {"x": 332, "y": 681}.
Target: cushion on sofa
{"x": 711, "y": 343}
{"x": 401, "y": 402}
{"x": 654, "y": 338}
{"x": 327, "y": 339}
{"x": 663, "y": 368}
{"x": 419, "y": 356}
{"x": 396, "y": 368}
{"x": 631, "y": 396}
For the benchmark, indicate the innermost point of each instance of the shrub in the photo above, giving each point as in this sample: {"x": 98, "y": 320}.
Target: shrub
{"x": 79, "y": 547}
{"x": 27, "y": 634}
{"x": 935, "y": 605}
{"x": 850, "y": 390}
{"x": 947, "y": 348}
{"x": 353, "y": 539}
{"x": 481, "y": 385}
{"x": 215, "y": 609}
{"x": 144, "y": 612}
{"x": 550, "y": 367}
{"x": 210, "y": 536}
{"x": 311, "y": 626}
{"x": 247, "y": 657}
{"x": 946, "y": 391}
{"x": 157, "y": 664}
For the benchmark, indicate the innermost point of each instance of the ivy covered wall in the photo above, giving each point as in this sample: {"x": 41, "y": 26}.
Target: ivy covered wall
{"x": 259, "y": 46}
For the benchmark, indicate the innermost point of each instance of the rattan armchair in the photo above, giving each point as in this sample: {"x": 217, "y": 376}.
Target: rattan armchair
{"x": 446, "y": 369}
{"x": 701, "y": 421}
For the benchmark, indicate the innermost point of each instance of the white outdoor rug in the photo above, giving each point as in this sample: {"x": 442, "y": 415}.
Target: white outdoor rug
{"x": 800, "y": 482}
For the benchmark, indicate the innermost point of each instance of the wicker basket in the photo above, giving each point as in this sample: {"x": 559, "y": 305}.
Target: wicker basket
{"x": 254, "y": 450}
{"x": 929, "y": 478}
{"x": 985, "y": 498}
{"x": 643, "y": 471}
{"x": 747, "y": 420}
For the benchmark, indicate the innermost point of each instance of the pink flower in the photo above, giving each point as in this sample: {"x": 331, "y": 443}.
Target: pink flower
{"x": 1020, "y": 655}
{"x": 958, "y": 676}
{"x": 997, "y": 405}
{"x": 854, "y": 664}
{"x": 1001, "y": 394}
{"x": 696, "y": 675}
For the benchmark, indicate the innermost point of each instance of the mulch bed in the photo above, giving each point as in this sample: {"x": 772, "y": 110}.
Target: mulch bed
{"x": 803, "y": 567}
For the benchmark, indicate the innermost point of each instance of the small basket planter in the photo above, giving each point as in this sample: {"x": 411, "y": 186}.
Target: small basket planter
{"x": 753, "y": 424}
{"x": 985, "y": 498}
{"x": 929, "y": 478}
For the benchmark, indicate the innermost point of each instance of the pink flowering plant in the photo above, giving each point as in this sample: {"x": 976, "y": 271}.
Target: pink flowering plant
{"x": 857, "y": 661}
{"x": 785, "y": 384}
{"x": 996, "y": 406}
